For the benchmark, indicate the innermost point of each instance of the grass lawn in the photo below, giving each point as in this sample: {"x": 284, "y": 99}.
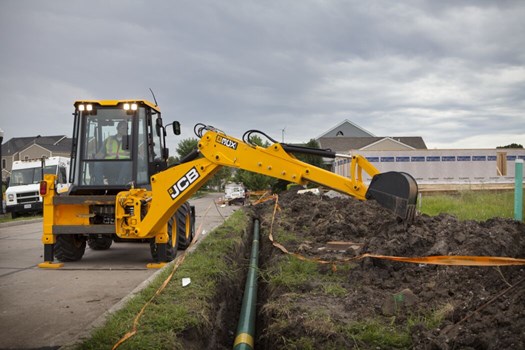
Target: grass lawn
{"x": 470, "y": 205}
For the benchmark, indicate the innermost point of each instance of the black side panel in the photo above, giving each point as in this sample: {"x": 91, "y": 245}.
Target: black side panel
{"x": 88, "y": 200}
{"x": 83, "y": 229}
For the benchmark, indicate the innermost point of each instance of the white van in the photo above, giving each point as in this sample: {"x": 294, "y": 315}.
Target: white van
{"x": 234, "y": 193}
{"x": 23, "y": 192}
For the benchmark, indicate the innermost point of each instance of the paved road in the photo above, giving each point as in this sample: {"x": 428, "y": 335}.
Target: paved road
{"x": 49, "y": 308}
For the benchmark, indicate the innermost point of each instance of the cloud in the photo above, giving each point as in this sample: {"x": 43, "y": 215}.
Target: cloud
{"x": 449, "y": 71}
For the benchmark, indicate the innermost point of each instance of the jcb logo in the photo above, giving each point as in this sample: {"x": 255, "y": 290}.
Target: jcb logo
{"x": 226, "y": 142}
{"x": 183, "y": 183}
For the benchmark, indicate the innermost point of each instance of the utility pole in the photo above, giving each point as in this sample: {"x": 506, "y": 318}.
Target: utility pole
{"x": 283, "y": 130}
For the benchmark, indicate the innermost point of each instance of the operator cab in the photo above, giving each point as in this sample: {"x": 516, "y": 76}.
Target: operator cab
{"x": 117, "y": 144}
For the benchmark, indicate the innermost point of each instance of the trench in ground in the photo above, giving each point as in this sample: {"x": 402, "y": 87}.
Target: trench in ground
{"x": 376, "y": 303}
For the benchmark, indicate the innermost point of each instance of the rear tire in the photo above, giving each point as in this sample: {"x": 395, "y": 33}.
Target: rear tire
{"x": 100, "y": 243}
{"x": 70, "y": 247}
{"x": 171, "y": 246}
{"x": 185, "y": 226}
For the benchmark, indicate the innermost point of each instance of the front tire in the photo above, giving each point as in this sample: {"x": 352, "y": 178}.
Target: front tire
{"x": 70, "y": 247}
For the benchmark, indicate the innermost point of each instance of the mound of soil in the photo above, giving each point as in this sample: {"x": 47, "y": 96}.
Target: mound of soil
{"x": 478, "y": 307}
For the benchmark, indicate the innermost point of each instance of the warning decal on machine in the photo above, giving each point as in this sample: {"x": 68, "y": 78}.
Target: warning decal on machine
{"x": 226, "y": 142}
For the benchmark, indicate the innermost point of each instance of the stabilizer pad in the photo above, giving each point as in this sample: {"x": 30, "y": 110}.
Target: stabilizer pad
{"x": 50, "y": 265}
{"x": 156, "y": 265}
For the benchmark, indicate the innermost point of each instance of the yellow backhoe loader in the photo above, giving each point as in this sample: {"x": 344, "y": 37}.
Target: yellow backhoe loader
{"x": 122, "y": 188}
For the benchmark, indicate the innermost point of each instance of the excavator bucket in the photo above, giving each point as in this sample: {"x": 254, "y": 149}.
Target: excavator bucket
{"x": 396, "y": 191}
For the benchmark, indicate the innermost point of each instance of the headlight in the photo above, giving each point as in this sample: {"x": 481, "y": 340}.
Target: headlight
{"x": 10, "y": 197}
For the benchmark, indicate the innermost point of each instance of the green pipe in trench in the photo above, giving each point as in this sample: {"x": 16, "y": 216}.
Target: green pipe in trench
{"x": 244, "y": 339}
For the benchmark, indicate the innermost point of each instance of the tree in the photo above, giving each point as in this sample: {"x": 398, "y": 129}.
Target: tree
{"x": 512, "y": 145}
{"x": 311, "y": 158}
{"x": 172, "y": 160}
{"x": 186, "y": 146}
{"x": 183, "y": 149}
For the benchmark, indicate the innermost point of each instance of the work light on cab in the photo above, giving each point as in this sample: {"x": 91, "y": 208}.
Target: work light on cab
{"x": 87, "y": 107}
{"x": 130, "y": 106}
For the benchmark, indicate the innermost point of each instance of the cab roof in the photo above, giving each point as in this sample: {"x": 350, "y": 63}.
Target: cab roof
{"x": 117, "y": 102}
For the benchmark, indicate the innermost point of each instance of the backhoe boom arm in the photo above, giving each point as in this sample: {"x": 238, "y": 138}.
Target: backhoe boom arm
{"x": 274, "y": 161}
{"x": 144, "y": 214}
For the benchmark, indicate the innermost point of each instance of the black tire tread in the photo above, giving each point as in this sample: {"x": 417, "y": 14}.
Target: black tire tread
{"x": 184, "y": 238}
{"x": 100, "y": 243}
{"x": 171, "y": 249}
{"x": 69, "y": 247}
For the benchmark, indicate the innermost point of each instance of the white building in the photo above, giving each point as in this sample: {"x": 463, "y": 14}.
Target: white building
{"x": 444, "y": 166}
{"x": 430, "y": 167}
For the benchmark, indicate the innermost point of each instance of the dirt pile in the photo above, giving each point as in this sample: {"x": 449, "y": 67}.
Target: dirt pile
{"x": 440, "y": 307}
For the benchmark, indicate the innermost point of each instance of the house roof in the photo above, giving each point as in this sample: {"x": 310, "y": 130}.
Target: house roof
{"x": 415, "y": 142}
{"x": 344, "y": 144}
{"x": 59, "y": 143}
{"x": 346, "y": 129}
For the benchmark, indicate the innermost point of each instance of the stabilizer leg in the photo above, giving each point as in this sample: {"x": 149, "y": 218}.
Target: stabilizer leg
{"x": 162, "y": 257}
{"x": 49, "y": 252}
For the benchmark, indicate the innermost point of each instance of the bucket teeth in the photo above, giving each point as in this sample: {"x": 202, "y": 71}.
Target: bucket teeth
{"x": 396, "y": 191}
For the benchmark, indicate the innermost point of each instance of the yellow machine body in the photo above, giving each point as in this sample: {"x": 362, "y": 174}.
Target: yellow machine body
{"x": 144, "y": 211}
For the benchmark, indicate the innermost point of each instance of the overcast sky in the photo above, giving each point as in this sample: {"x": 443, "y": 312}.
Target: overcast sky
{"x": 452, "y": 71}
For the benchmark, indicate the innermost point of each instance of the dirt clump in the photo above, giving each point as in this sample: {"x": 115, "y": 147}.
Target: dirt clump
{"x": 410, "y": 305}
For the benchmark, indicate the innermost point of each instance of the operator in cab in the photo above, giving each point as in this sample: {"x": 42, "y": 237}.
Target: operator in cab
{"x": 115, "y": 147}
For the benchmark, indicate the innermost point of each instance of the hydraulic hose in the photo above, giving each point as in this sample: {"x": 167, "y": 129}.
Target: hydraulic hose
{"x": 244, "y": 339}
{"x": 327, "y": 153}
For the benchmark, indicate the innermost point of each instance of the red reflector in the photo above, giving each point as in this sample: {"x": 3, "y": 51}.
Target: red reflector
{"x": 43, "y": 188}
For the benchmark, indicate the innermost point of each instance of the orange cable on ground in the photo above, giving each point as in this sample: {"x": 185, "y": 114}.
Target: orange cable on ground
{"x": 141, "y": 312}
{"x": 265, "y": 199}
{"x": 178, "y": 262}
{"x": 457, "y": 260}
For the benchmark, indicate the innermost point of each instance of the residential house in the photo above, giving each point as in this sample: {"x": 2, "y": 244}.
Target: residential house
{"x": 347, "y": 137}
{"x": 36, "y": 147}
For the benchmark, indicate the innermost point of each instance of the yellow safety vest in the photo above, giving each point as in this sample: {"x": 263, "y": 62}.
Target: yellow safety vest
{"x": 114, "y": 149}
